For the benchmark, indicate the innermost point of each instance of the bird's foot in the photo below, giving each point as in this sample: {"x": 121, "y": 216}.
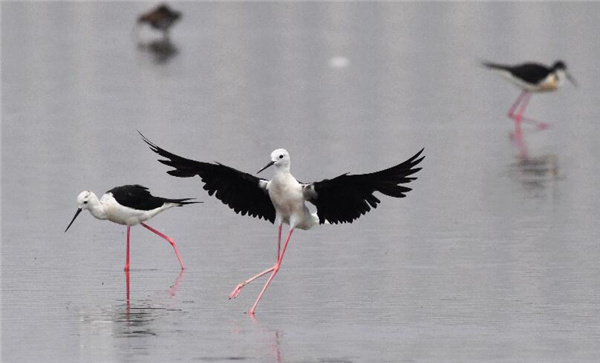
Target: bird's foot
{"x": 542, "y": 125}
{"x": 237, "y": 290}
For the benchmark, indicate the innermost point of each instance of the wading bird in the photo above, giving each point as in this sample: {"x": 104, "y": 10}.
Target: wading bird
{"x": 283, "y": 199}
{"x": 129, "y": 205}
{"x": 531, "y": 77}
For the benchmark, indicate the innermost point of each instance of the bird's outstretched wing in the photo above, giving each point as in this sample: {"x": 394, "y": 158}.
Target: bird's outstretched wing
{"x": 242, "y": 192}
{"x": 347, "y": 197}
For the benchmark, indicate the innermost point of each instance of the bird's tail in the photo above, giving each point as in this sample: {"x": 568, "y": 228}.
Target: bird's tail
{"x": 493, "y": 66}
{"x": 181, "y": 202}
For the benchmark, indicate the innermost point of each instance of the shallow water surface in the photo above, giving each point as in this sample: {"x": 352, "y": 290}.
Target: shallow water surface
{"x": 493, "y": 256}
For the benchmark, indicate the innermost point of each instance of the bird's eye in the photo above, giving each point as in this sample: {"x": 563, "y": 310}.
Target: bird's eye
{"x": 281, "y": 156}
{"x": 85, "y": 202}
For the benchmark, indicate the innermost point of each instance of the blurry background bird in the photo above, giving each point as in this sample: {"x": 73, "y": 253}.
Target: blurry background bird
{"x": 160, "y": 18}
{"x": 531, "y": 77}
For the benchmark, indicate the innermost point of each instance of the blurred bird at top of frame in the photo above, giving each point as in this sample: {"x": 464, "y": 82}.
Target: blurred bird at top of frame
{"x": 531, "y": 77}
{"x": 160, "y": 18}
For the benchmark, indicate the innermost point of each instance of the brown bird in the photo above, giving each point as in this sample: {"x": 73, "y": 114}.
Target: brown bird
{"x": 161, "y": 18}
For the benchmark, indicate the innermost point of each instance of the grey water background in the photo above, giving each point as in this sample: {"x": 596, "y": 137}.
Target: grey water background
{"x": 493, "y": 257}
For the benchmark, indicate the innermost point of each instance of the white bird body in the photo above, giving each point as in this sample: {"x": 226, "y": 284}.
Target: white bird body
{"x": 287, "y": 195}
{"x": 128, "y": 205}
{"x": 107, "y": 208}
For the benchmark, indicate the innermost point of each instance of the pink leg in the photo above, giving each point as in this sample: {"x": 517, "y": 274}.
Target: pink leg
{"x": 539, "y": 124}
{"x": 511, "y": 112}
{"x": 241, "y": 285}
{"x": 168, "y": 240}
{"x": 275, "y": 270}
{"x": 127, "y": 254}
{"x": 278, "y": 241}
{"x": 173, "y": 289}
{"x": 524, "y": 104}
{"x": 523, "y": 100}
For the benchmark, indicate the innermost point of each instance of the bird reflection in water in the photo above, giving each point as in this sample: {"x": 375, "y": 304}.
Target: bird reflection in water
{"x": 534, "y": 172}
{"x": 162, "y": 18}
{"x": 172, "y": 290}
{"x": 160, "y": 50}
{"x": 271, "y": 337}
{"x": 137, "y": 319}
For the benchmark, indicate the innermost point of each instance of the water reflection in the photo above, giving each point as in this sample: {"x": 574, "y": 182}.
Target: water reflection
{"x": 273, "y": 339}
{"x": 159, "y": 50}
{"x": 534, "y": 172}
{"x": 138, "y": 319}
{"x": 172, "y": 290}
{"x": 263, "y": 82}
{"x": 130, "y": 319}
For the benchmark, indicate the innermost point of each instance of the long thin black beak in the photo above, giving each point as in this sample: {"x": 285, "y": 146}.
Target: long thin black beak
{"x": 266, "y": 166}
{"x": 73, "y": 220}
{"x": 571, "y": 79}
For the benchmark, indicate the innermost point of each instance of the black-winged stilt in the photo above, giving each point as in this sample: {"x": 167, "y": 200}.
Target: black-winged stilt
{"x": 531, "y": 77}
{"x": 161, "y": 18}
{"x": 283, "y": 199}
{"x": 129, "y": 205}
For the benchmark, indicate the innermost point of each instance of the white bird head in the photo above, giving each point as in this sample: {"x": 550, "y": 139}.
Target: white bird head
{"x": 83, "y": 199}
{"x": 561, "y": 71}
{"x": 280, "y": 158}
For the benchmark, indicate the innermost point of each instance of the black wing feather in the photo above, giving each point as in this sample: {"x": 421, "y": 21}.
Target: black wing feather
{"x": 347, "y": 197}
{"x": 238, "y": 190}
{"x": 530, "y": 72}
{"x": 138, "y": 197}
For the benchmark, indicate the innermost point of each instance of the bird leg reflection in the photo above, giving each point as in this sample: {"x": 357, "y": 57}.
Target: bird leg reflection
{"x": 127, "y": 287}
{"x": 175, "y": 286}
{"x": 519, "y": 142}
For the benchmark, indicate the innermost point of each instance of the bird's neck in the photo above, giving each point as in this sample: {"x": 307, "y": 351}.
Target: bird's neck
{"x": 283, "y": 177}
{"x": 96, "y": 207}
{"x": 560, "y": 76}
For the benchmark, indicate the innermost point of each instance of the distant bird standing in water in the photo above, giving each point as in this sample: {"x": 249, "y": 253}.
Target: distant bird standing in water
{"x": 161, "y": 18}
{"x": 129, "y": 205}
{"x": 283, "y": 198}
{"x": 531, "y": 77}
